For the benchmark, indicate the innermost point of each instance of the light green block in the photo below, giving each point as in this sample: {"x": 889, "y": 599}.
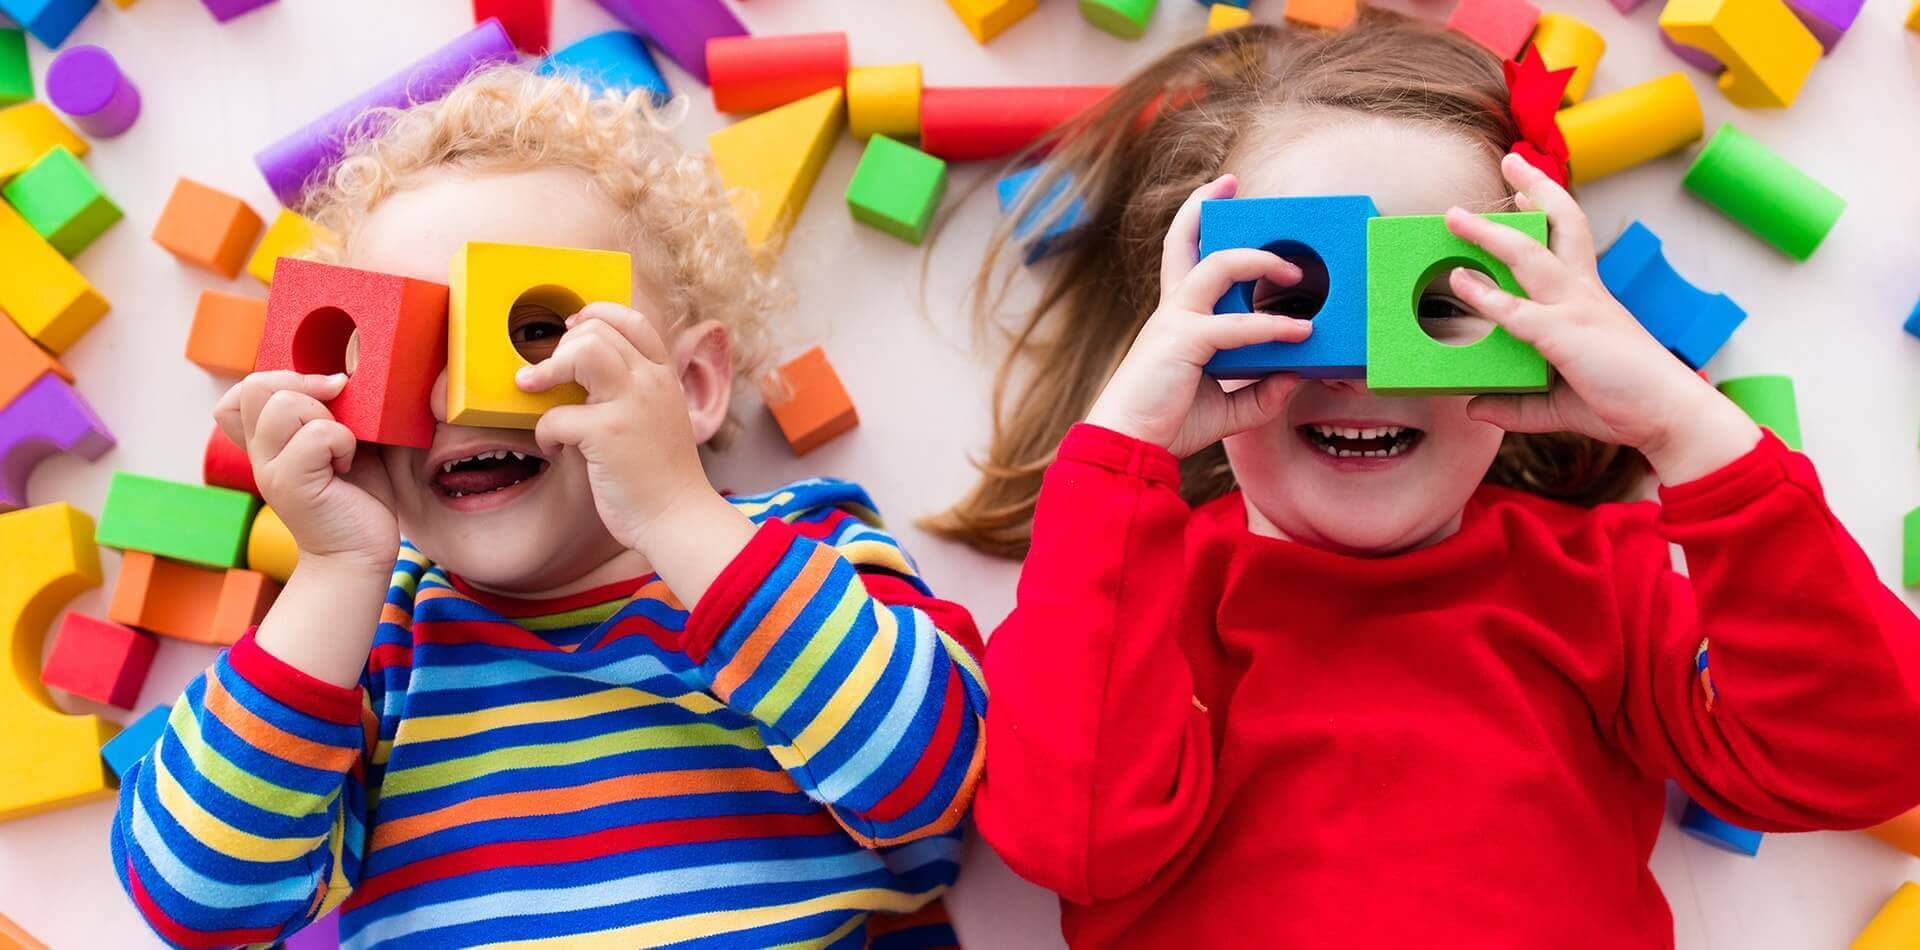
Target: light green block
{"x": 1126, "y": 19}
{"x": 16, "y": 77}
{"x": 1910, "y": 550}
{"x": 62, "y": 201}
{"x": 896, "y": 188}
{"x": 1404, "y": 255}
{"x": 1764, "y": 192}
{"x": 1769, "y": 401}
{"x": 197, "y": 523}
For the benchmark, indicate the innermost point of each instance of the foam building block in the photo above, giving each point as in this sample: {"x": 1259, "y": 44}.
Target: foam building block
{"x": 1764, "y": 193}
{"x": 50, "y": 21}
{"x": 1701, "y": 825}
{"x": 15, "y": 937}
{"x": 322, "y": 934}
{"x": 1326, "y": 14}
{"x": 207, "y": 227}
{"x": 225, "y": 336}
{"x": 314, "y": 310}
{"x": 1897, "y": 925}
{"x": 986, "y": 19}
{"x": 681, "y": 29}
{"x": 183, "y": 602}
{"x": 1565, "y": 41}
{"x": 1689, "y": 321}
{"x": 1769, "y": 401}
{"x": 757, "y": 73}
{"x": 1903, "y": 832}
{"x": 87, "y": 84}
{"x": 1232, "y": 3}
{"x": 979, "y": 123}
{"x": 896, "y": 188}
{"x": 616, "y": 60}
{"x": 1912, "y": 328}
{"x": 1405, "y": 255}
{"x": 1910, "y": 579}
{"x": 884, "y": 100}
{"x": 22, "y": 363}
{"x": 27, "y": 130}
{"x": 1827, "y": 20}
{"x": 1050, "y": 223}
{"x": 290, "y": 235}
{"x": 200, "y": 524}
{"x": 1767, "y": 52}
{"x": 488, "y": 279}
{"x": 270, "y": 547}
{"x": 1502, "y": 26}
{"x": 99, "y": 660}
{"x": 1637, "y": 124}
{"x": 1913, "y": 17}
{"x": 808, "y": 401}
{"x": 771, "y": 161}
{"x": 62, "y": 201}
{"x": 1126, "y": 19}
{"x": 224, "y": 463}
{"x": 1222, "y": 17}
{"x": 47, "y": 418}
{"x": 43, "y": 293}
{"x": 1332, "y": 229}
{"x": 293, "y": 163}
{"x": 47, "y": 557}
{"x": 224, "y": 10}
{"x": 529, "y": 23}
{"x": 16, "y": 74}
{"x": 135, "y": 741}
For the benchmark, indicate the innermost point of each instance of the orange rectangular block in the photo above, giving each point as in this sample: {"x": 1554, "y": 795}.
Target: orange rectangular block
{"x": 226, "y": 332}
{"x": 207, "y": 227}
{"x": 808, "y": 401}
{"x": 1902, "y": 832}
{"x": 1327, "y": 14}
{"x": 15, "y": 937}
{"x": 188, "y": 602}
{"x": 22, "y": 361}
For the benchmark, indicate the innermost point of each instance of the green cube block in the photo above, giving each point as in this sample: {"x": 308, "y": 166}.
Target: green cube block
{"x": 16, "y": 78}
{"x": 896, "y": 188}
{"x": 1126, "y": 19}
{"x": 197, "y": 523}
{"x": 1404, "y": 256}
{"x": 1910, "y": 551}
{"x": 1769, "y": 401}
{"x": 62, "y": 201}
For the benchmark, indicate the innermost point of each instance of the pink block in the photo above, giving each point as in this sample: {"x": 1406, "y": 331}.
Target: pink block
{"x": 86, "y": 83}
{"x": 46, "y": 418}
{"x": 1503, "y": 26}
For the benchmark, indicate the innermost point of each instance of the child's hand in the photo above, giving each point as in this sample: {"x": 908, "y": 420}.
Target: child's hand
{"x": 337, "y": 504}
{"x": 1617, "y": 383}
{"x": 1160, "y": 393}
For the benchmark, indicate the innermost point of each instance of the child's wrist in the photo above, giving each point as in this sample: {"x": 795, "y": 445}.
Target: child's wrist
{"x": 1708, "y": 436}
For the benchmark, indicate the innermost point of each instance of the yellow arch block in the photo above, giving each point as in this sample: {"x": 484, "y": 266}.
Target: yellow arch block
{"x": 1897, "y": 926}
{"x": 1768, "y": 52}
{"x": 270, "y": 547}
{"x": 884, "y": 100}
{"x": 770, "y": 162}
{"x": 50, "y": 759}
{"x": 1637, "y": 124}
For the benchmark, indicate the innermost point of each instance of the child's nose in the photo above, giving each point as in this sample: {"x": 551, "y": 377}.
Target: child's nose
{"x": 1344, "y": 385}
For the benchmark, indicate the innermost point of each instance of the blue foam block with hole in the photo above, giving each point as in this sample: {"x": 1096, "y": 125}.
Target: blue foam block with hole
{"x": 1334, "y": 228}
{"x": 1703, "y": 825}
{"x": 615, "y": 60}
{"x": 50, "y": 21}
{"x": 1689, "y": 321}
{"x": 1061, "y": 226}
{"x": 133, "y": 742}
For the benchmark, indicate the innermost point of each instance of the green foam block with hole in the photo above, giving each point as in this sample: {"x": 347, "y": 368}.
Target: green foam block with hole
{"x": 1769, "y": 401}
{"x": 200, "y": 524}
{"x": 1404, "y": 256}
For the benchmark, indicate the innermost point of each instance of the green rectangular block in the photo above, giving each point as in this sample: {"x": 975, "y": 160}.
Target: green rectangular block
{"x": 1404, "y": 256}
{"x": 1768, "y": 401}
{"x": 1126, "y": 19}
{"x": 896, "y": 188}
{"x": 16, "y": 77}
{"x": 62, "y": 201}
{"x": 1910, "y": 551}
{"x": 197, "y": 523}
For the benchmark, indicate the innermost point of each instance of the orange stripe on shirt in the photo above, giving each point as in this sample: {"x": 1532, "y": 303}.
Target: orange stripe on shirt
{"x": 270, "y": 738}
{"x": 778, "y": 618}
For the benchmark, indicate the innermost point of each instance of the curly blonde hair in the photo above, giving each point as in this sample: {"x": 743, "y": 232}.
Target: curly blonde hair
{"x": 673, "y": 211}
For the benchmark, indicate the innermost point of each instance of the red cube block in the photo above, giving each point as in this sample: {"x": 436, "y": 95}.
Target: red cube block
{"x": 103, "y": 661}
{"x": 1503, "y": 26}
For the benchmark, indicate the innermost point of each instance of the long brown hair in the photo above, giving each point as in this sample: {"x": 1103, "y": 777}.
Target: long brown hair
{"x": 1133, "y": 160}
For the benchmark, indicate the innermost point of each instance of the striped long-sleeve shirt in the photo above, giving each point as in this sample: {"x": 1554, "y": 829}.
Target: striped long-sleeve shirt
{"x": 785, "y": 764}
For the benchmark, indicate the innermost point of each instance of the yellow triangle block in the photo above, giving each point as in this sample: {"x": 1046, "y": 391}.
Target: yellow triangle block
{"x": 770, "y": 162}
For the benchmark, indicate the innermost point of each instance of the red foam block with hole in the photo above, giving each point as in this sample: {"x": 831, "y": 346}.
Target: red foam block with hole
{"x": 226, "y": 464}
{"x": 312, "y": 311}
{"x": 98, "y": 659}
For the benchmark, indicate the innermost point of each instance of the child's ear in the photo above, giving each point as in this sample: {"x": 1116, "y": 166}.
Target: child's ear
{"x": 703, "y": 353}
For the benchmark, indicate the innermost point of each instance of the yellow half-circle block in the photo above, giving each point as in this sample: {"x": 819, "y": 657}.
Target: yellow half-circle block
{"x": 1767, "y": 51}
{"x": 884, "y": 100}
{"x": 1897, "y": 926}
{"x": 1637, "y": 124}
{"x": 1568, "y": 42}
{"x": 771, "y": 161}
{"x": 51, "y": 759}
{"x": 270, "y": 547}
{"x": 985, "y": 19}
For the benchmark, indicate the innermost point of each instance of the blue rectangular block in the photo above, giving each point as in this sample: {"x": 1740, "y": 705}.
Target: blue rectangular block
{"x": 615, "y": 60}
{"x": 1057, "y": 227}
{"x": 1332, "y": 229}
{"x": 50, "y": 21}
{"x": 1913, "y": 321}
{"x": 1704, "y": 826}
{"x": 135, "y": 740}
{"x": 1689, "y": 321}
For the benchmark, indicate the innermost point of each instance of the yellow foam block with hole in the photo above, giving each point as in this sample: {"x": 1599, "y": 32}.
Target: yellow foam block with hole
{"x": 27, "y": 131}
{"x": 487, "y": 280}
{"x": 1637, "y": 124}
{"x": 1767, "y": 51}
{"x": 1897, "y": 925}
{"x": 50, "y": 759}
{"x": 40, "y": 289}
{"x": 770, "y": 162}
{"x": 290, "y": 235}
{"x": 884, "y": 100}
{"x": 1222, "y": 17}
{"x": 985, "y": 19}
{"x": 270, "y": 547}
{"x": 1566, "y": 41}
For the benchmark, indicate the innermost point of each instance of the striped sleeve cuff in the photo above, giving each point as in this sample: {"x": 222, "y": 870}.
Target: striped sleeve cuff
{"x": 730, "y": 592}
{"x": 293, "y": 688}
{"x": 1092, "y": 445}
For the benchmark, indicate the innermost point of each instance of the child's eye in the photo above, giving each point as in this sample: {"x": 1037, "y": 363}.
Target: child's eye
{"x": 1448, "y": 320}
{"x": 1286, "y": 301}
{"x": 1441, "y": 307}
{"x": 535, "y": 330}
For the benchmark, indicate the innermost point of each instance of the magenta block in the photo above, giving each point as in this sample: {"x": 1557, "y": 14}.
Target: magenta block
{"x": 86, "y": 83}
{"x": 322, "y": 934}
{"x": 681, "y": 28}
{"x": 1827, "y": 19}
{"x": 224, "y": 10}
{"x": 1698, "y": 59}
{"x": 292, "y": 164}
{"x": 1626, "y": 6}
{"x": 48, "y": 417}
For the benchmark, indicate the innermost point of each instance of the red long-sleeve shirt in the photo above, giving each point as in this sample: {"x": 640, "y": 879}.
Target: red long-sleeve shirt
{"x": 1201, "y": 737}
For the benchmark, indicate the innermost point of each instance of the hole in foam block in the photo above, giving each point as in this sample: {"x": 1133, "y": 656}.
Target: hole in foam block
{"x": 1440, "y": 312}
{"x": 1303, "y": 300}
{"x": 538, "y": 318}
{"x": 326, "y": 343}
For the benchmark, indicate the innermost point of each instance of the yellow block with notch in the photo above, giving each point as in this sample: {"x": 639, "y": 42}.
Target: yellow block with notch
{"x": 290, "y": 235}
{"x": 1767, "y": 51}
{"x": 985, "y": 19}
{"x": 1897, "y": 925}
{"x": 487, "y": 281}
{"x": 50, "y": 759}
{"x": 884, "y": 100}
{"x": 27, "y": 131}
{"x": 770, "y": 162}
{"x": 1566, "y": 41}
{"x": 43, "y": 292}
{"x": 270, "y": 546}
{"x": 1222, "y": 17}
{"x": 1637, "y": 124}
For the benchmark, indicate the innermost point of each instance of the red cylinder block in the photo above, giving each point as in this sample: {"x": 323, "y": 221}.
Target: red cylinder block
{"x": 755, "y": 73}
{"x": 226, "y": 464}
{"x": 988, "y": 122}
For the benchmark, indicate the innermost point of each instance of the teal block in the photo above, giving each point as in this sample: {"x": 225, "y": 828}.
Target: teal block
{"x": 1404, "y": 255}
{"x": 133, "y": 743}
{"x": 61, "y": 200}
{"x": 896, "y": 188}
{"x": 16, "y": 77}
{"x": 200, "y": 524}
{"x": 1126, "y": 19}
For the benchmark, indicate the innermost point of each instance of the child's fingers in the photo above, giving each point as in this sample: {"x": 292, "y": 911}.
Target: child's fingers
{"x": 1524, "y": 413}
{"x": 254, "y": 391}
{"x": 1522, "y": 318}
{"x": 1533, "y": 265}
{"x": 1568, "y": 233}
{"x": 1225, "y": 331}
{"x": 629, "y": 323}
{"x": 562, "y": 426}
{"x": 1210, "y": 280}
{"x": 1182, "y": 249}
{"x": 592, "y": 353}
{"x": 284, "y": 413}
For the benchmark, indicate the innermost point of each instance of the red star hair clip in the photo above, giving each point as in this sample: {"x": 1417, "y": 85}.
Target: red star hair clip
{"x": 1533, "y": 95}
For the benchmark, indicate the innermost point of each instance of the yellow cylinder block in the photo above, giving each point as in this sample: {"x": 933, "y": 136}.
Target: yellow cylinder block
{"x": 884, "y": 100}
{"x": 1566, "y": 41}
{"x": 270, "y": 547}
{"x": 1222, "y": 17}
{"x": 1897, "y": 926}
{"x": 1637, "y": 124}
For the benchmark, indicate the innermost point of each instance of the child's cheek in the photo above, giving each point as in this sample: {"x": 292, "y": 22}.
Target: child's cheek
{"x": 437, "y": 403}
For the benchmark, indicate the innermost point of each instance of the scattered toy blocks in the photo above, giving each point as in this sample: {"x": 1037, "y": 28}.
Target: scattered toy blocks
{"x": 772, "y": 160}
{"x": 1703, "y": 826}
{"x": 314, "y": 310}
{"x": 270, "y": 547}
{"x": 87, "y": 84}
{"x": 43, "y": 293}
{"x": 27, "y": 130}
{"x": 1126, "y": 19}
{"x": 1897, "y": 925}
{"x": 1638, "y": 124}
{"x": 16, "y": 76}
{"x": 99, "y": 660}
{"x": 756, "y": 73}
{"x": 1827, "y": 20}
{"x": 184, "y": 602}
{"x": 1767, "y": 52}
{"x": 225, "y": 337}
{"x": 224, "y": 10}
{"x": 1502, "y": 26}
{"x": 1764, "y": 193}
{"x": 1222, "y": 17}
{"x": 986, "y": 19}
{"x": 680, "y": 29}
{"x": 200, "y": 524}
{"x": 290, "y": 235}
{"x": 1689, "y": 321}
{"x": 1327, "y": 237}
{"x": 488, "y": 280}
{"x": 1404, "y": 256}
{"x": 62, "y": 202}
{"x": 615, "y": 60}
{"x": 981, "y": 123}
{"x": 1769, "y": 401}
{"x": 808, "y": 401}
{"x": 50, "y": 21}
{"x": 207, "y": 228}
{"x": 224, "y": 463}
{"x": 135, "y": 741}
{"x": 1904, "y": 832}
{"x": 1910, "y": 579}
{"x": 1059, "y": 222}
{"x": 21, "y": 362}
{"x": 529, "y": 23}
{"x": 47, "y": 418}
{"x": 884, "y": 100}
{"x": 897, "y": 188}
{"x": 1567, "y": 42}
{"x": 1326, "y": 14}
{"x": 15, "y": 937}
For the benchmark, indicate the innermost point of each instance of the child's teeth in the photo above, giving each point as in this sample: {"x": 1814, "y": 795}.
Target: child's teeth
{"x": 519, "y": 456}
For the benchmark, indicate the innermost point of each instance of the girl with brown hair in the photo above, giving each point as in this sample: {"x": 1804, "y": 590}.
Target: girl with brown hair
{"x": 1298, "y": 664}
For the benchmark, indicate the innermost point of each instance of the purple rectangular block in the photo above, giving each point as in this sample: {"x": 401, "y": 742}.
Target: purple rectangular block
{"x": 1827, "y": 19}
{"x": 293, "y": 163}
{"x": 224, "y": 10}
{"x": 681, "y": 28}
{"x": 47, "y": 418}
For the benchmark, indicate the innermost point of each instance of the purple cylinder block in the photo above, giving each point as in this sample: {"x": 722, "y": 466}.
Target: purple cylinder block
{"x": 681, "y": 28}
{"x": 86, "y": 83}
{"x": 48, "y": 417}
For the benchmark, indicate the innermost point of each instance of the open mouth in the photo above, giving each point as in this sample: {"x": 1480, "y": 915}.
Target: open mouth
{"x": 486, "y": 472}
{"x": 1348, "y": 442}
